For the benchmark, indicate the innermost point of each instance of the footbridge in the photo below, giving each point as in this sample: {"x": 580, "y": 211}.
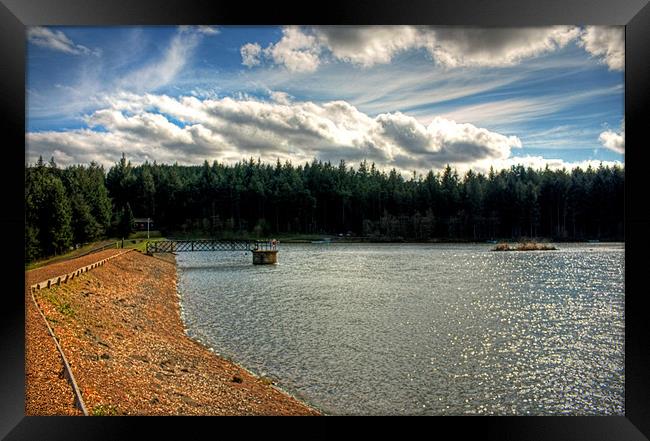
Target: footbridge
{"x": 264, "y": 251}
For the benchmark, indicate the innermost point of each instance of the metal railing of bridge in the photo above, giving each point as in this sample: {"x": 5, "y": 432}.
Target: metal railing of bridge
{"x": 174, "y": 246}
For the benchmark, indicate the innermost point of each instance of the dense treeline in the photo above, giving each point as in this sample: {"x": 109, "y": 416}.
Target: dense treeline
{"x": 64, "y": 206}
{"x": 80, "y": 204}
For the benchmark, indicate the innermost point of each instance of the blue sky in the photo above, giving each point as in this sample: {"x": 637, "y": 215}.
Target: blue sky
{"x": 413, "y": 98}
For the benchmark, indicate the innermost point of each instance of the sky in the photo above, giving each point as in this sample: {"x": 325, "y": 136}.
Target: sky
{"x": 412, "y": 98}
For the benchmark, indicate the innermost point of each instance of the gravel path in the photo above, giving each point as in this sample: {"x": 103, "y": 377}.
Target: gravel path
{"x": 120, "y": 328}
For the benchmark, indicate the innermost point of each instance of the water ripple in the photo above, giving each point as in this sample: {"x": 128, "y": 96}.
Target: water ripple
{"x": 421, "y": 329}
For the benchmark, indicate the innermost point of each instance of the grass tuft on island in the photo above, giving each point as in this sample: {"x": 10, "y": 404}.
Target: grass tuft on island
{"x": 524, "y": 246}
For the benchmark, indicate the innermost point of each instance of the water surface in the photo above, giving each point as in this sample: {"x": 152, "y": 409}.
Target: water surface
{"x": 420, "y": 329}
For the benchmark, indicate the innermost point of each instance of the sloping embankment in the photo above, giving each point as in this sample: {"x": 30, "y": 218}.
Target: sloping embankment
{"x": 120, "y": 329}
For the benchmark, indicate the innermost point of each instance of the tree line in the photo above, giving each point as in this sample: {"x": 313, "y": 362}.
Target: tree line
{"x": 80, "y": 204}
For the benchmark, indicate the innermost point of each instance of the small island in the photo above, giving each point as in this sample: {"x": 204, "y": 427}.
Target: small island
{"x": 524, "y": 246}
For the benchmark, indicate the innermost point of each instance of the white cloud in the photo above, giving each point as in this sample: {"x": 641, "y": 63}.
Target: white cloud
{"x": 444, "y": 140}
{"x": 448, "y": 46}
{"x": 536, "y": 163}
{"x": 455, "y": 47}
{"x": 280, "y": 97}
{"x": 613, "y": 141}
{"x": 57, "y": 40}
{"x": 303, "y": 49}
{"x": 229, "y": 129}
{"x": 164, "y": 70}
{"x": 606, "y": 43}
{"x": 297, "y": 51}
{"x": 369, "y": 45}
{"x": 205, "y": 30}
{"x": 250, "y": 54}
{"x": 517, "y": 110}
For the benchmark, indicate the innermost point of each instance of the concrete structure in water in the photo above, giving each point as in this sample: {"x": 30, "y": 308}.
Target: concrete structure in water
{"x": 265, "y": 257}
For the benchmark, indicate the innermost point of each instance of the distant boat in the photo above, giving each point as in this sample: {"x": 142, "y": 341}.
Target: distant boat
{"x": 593, "y": 241}
{"x": 490, "y": 241}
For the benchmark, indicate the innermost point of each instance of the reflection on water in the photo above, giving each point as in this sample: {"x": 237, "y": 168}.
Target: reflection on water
{"x": 420, "y": 329}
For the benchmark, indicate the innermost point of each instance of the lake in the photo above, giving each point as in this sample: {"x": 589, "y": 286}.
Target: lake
{"x": 420, "y": 329}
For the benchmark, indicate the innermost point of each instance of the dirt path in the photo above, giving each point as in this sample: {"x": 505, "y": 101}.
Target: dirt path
{"x": 120, "y": 328}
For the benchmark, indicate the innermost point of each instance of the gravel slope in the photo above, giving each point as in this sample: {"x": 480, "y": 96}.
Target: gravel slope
{"x": 120, "y": 328}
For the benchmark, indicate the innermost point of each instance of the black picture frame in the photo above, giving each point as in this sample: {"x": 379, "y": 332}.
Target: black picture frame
{"x": 634, "y": 14}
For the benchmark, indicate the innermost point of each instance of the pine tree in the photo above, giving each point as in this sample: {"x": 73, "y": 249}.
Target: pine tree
{"x": 57, "y": 215}
{"x": 126, "y": 223}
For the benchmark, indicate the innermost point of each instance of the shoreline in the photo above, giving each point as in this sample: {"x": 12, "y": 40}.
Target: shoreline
{"x": 120, "y": 327}
{"x": 171, "y": 259}
{"x": 356, "y": 239}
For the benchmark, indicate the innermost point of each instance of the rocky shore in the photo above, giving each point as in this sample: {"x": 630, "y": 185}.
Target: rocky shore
{"x": 120, "y": 329}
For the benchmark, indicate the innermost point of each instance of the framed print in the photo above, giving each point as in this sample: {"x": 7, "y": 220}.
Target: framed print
{"x": 376, "y": 210}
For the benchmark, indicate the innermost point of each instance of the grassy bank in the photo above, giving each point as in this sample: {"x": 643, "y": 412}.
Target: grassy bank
{"x": 135, "y": 240}
{"x": 72, "y": 254}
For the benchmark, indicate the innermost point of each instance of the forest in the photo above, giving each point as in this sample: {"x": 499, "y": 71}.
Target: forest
{"x": 78, "y": 204}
